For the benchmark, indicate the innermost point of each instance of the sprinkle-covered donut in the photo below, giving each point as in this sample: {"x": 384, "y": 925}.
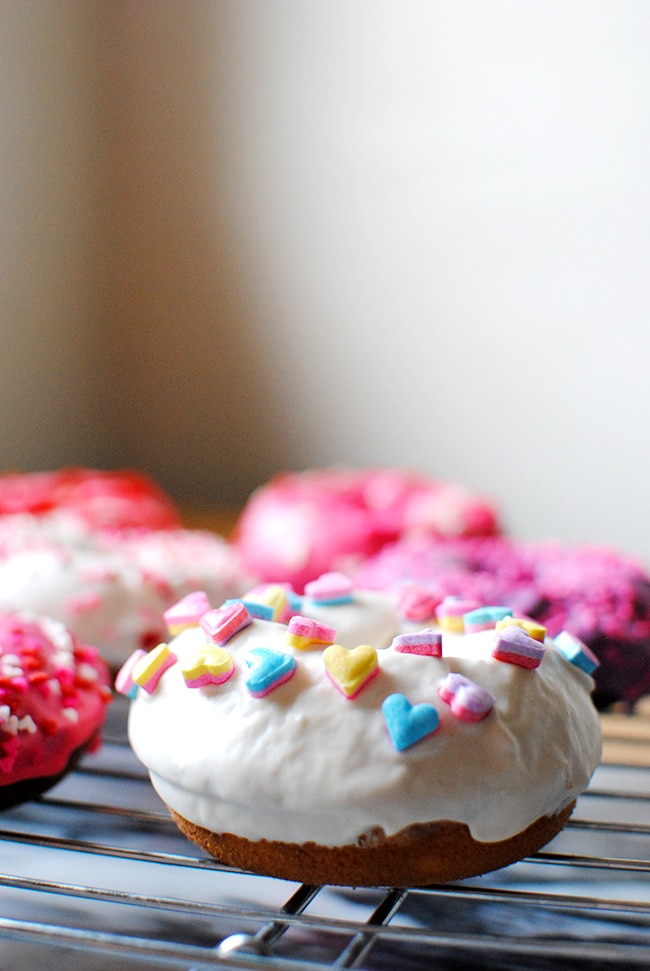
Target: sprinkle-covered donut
{"x": 599, "y": 595}
{"x": 53, "y": 697}
{"x": 302, "y": 524}
{"x": 321, "y": 738}
{"x": 112, "y": 588}
{"x": 97, "y": 498}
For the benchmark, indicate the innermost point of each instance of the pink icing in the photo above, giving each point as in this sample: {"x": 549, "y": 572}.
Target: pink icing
{"x": 301, "y": 525}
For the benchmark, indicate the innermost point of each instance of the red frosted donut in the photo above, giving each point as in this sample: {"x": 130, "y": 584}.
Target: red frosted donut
{"x": 100, "y": 499}
{"x": 300, "y": 525}
{"x": 53, "y": 697}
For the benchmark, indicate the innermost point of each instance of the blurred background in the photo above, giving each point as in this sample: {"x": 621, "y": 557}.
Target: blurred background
{"x": 242, "y": 236}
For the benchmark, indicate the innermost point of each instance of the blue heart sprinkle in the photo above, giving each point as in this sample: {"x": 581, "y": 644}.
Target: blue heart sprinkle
{"x": 407, "y": 723}
{"x": 267, "y": 669}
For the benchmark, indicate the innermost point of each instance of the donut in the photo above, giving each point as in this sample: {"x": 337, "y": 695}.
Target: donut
{"x": 53, "y": 697}
{"x": 300, "y": 525}
{"x": 97, "y": 498}
{"x": 294, "y": 746}
{"x": 111, "y": 588}
{"x": 596, "y": 593}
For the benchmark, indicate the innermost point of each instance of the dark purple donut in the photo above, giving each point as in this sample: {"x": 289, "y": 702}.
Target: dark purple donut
{"x": 599, "y": 595}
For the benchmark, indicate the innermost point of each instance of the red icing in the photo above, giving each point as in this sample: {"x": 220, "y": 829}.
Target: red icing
{"x": 122, "y": 499}
{"x": 50, "y": 681}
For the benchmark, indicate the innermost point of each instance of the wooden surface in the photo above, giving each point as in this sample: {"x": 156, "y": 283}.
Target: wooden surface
{"x": 626, "y": 737}
{"x": 219, "y": 521}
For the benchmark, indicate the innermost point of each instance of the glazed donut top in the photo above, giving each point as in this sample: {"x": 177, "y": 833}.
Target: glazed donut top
{"x": 53, "y": 696}
{"x": 304, "y": 728}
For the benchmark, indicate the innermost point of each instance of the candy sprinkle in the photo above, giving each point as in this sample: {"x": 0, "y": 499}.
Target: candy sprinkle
{"x": 467, "y": 700}
{"x": 268, "y": 670}
{"x": 515, "y": 646}
{"x": 210, "y": 666}
{"x": 224, "y": 622}
{"x": 426, "y": 642}
{"x": 408, "y": 724}
{"x": 303, "y": 632}
{"x": 350, "y": 670}
{"x": 148, "y": 671}
{"x": 576, "y": 652}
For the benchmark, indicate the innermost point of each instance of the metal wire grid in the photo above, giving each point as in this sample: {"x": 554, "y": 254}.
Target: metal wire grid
{"x": 96, "y": 875}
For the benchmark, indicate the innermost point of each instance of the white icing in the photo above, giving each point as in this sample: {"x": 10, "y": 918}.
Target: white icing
{"x": 304, "y": 763}
{"x": 371, "y": 618}
{"x": 112, "y": 591}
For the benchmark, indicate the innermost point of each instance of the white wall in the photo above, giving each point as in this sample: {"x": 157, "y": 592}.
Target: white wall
{"x": 375, "y": 232}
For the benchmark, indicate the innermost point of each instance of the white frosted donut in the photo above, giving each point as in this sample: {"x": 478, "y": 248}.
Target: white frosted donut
{"x": 111, "y": 589}
{"x": 313, "y": 771}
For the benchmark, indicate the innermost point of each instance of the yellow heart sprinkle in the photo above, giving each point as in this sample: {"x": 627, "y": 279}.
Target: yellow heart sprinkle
{"x": 350, "y": 670}
{"x": 275, "y": 597}
{"x": 211, "y": 666}
{"x": 538, "y": 631}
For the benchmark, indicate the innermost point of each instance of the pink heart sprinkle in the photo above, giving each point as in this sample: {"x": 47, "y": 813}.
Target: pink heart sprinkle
{"x": 329, "y": 587}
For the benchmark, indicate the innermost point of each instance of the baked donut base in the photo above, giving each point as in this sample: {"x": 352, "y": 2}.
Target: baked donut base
{"x": 420, "y": 855}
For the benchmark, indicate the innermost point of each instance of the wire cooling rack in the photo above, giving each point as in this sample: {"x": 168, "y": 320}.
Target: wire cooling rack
{"x": 95, "y": 876}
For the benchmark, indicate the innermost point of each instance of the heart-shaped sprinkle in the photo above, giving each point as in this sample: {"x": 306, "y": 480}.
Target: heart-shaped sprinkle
{"x": 407, "y": 723}
{"x": 187, "y": 612}
{"x": 513, "y": 645}
{"x": 350, "y": 670}
{"x": 467, "y": 700}
{"x": 267, "y": 670}
{"x": 148, "y": 671}
{"x": 538, "y": 631}
{"x": 450, "y": 612}
{"x": 124, "y": 683}
{"x": 330, "y": 589}
{"x": 577, "y": 653}
{"x": 270, "y": 602}
{"x": 302, "y": 632}
{"x": 210, "y": 666}
{"x": 425, "y": 642}
{"x": 258, "y": 611}
{"x": 276, "y": 597}
{"x": 416, "y": 604}
{"x": 451, "y": 684}
{"x": 483, "y": 618}
{"x": 222, "y": 624}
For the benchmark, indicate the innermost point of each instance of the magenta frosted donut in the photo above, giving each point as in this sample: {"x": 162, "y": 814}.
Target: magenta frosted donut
{"x": 53, "y": 697}
{"x": 597, "y": 594}
{"x": 301, "y": 525}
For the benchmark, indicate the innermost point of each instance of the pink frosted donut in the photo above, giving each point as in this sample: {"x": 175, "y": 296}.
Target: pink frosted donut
{"x": 597, "y": 594}
{"x": 53, "y": 697}
{"x": 100, "y": 499}
{"x": 301, "y": 525}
